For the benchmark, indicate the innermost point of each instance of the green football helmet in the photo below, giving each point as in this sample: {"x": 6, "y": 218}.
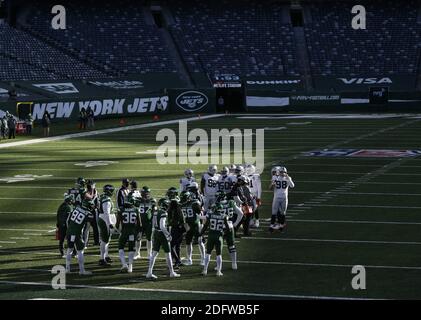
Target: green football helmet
{"x": 185, "y": 196}
{"x": 163, "y": 204}
{"x": 131, "y": 199}
{"x": 219, "y": 208}
{"x": 172, "y": 193}
{"x": 145, "y": 192}
{"x": 108, "y": 190}
{"x": 80, "y": 182}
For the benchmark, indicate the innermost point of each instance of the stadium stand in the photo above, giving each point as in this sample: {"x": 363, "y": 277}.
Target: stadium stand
{"x": 240, "y": 37}
{"x": 389, "y": 45}
{"x": 27, "y": 58}
{"x": 113, "y": 33}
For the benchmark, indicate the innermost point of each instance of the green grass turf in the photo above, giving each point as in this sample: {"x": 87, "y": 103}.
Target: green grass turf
{"x": 294, "y": 263}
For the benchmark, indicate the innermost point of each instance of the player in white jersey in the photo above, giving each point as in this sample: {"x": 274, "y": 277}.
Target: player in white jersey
{"x": 209, "y": 186}
{"x": 188, "y": 179}
{"x": 280, "y": 184}
{"x": 224, "y": 181}
{"x": 255, "y": 185}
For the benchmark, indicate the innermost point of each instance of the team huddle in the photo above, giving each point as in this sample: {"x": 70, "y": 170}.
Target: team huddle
{"x": 206, "y": 215}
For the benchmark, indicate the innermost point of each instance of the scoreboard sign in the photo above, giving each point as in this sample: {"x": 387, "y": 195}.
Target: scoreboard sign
{"x": 226, "y": 81}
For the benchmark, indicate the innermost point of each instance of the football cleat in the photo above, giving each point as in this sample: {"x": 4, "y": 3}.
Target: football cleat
{"x": 130, "y": 268}
{"x": 186, "y": 262}
{"x": 103, "y": 263}
{"x": 256, "y": 223}
{"x": 124, "y": 269}
{"x": 219, "y": 273}
{"x": 108, "y": 259}
{"x": 151, "y": 276}
{"x": 204, "y": 272}
{"x": 234, "y": 266}
{"x": 137, "y": 257}
{"x": 174, "y": 275}
{"x": 202, "y": 262}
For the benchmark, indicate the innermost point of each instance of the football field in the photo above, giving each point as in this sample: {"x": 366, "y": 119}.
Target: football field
{"x": 351, "y": 206}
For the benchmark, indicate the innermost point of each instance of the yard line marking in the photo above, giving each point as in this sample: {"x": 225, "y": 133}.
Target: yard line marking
{"x": 353, "y": 221}
{"x": 19, "y": 238}
{"x": 32, "y": 234}
{"x": 12, "y": 242}
{"x": 105, "y": 131}
{"x": 360, "y": 206}
{"x": 227, "y": 293}
{"x": 335, "y": 240}
{"x": 29, "y": 230}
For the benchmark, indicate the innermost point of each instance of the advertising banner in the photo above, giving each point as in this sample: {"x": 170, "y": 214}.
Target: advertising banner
{"x": 274, "y": 83}
{"x": 344, "y": 83}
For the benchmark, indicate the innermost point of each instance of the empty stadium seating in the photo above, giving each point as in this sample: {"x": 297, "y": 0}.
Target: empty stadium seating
{"x": 112, "y": 32}
{"x": 389, "y": 45}
{"x": 27, "y": 58}
{"x": 240, "y": 37}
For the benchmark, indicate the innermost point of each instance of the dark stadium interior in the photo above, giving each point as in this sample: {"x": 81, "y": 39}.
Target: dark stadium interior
{"x": 106, "y": 39}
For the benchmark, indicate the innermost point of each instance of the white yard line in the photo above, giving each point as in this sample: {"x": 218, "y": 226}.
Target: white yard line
{"x": 218, "y": 293}
{"x": 105, "y": 131}
{"x": 347, "y": 221}
{"x": 335, "y": 240}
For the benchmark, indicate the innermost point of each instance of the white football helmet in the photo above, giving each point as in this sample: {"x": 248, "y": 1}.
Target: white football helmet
{"x": 239, "y": 170}
{"x": 276, "y": 170}
{"x": 250, "y": 169}
{"x": 188, "y": 173}
{"x": 232, "y": 168}
{"x": 283, "y": 170}
{"x": 212, "y": 169}
{"x": 225, "y": 171}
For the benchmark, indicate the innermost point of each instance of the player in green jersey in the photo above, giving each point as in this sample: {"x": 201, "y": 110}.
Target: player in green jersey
{"x": 161, "y": 238}
{"x": 192, "y": 211}
{"x": 216, "y": 221}
{"x": 235, "y": 216}
{"x": 63, "y": 212}
{"x": 146, "y": 205}
{"x": 106, "y": 222}
{"x": 75, "y": 224}
{"x": 129, "y": 219}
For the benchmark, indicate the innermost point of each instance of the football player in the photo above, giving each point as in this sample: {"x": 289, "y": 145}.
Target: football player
{"x": 63, "y": 212}
{"x": 280, "y": 184}
{"x": 242, "y": 196}
{"x": 75, "y": 224}
{"x": 209, "y": 186}
{"x": 216, "y": 221}
{"x": 147, "y": 205}
{"x": 237, "y": 172}
{"x": 106, "y": 222}
{"x": 235, "y": 216}
{"x": 177, "y": 226}
{"x": 122, "y": 193}
{"x": 224, "y": 180}
{"x": 187, "y": 179}
{"x": 192, "y": 211}
{"x": 256, "y": 190}
{"x": 91, "y": 194}
{"x": 161, "y": 237}
{"x": 78, "y": 190}
{"x": 129, "y": 219}
{"x": 193, "y": 188}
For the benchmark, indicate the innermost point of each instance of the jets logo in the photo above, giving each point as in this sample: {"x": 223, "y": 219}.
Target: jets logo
{"x": 191, "y": 101}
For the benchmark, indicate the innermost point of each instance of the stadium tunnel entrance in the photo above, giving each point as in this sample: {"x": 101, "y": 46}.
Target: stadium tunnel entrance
{"x": 232, "y": 99}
